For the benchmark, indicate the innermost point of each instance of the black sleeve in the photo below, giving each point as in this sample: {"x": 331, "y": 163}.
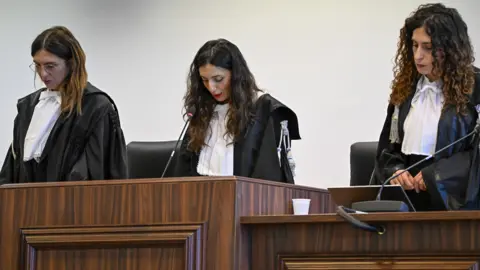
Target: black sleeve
{"x": 267, "y": 162}
{"x": 454, "y": 181}
{"x": 389, "y": 158}
{"x": 267, "y": 165}
{"x": 10, "y": 168}
{"x": 9, "y": 171}
{"x": 105, "y": 155}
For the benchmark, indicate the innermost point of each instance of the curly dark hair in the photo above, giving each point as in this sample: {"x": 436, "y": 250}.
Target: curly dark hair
{"x": 221, "y": 53}
{"x": 449, "y": 35}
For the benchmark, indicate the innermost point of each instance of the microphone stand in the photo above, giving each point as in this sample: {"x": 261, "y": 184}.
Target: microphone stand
{"x": 393, "y": 206}
{"x": 374, "y": 206}
{"x": 180, "y": 138}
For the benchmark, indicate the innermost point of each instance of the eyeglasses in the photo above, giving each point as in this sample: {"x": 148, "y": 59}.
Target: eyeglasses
{"x": 49, "y": 67}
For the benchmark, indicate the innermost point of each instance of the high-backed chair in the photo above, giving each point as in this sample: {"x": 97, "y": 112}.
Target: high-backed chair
{"x": 362, "y": 162}
{"x": 148, "y": 159}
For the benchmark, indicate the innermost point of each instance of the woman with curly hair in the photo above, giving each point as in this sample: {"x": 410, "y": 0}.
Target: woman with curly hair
{"x": 234, "y": 130}
{"x": 434, "y": 101}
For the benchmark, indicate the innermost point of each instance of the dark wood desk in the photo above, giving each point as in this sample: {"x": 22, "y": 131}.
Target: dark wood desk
{"x": 175, "y": 223}
{"x": 434, "y": 240}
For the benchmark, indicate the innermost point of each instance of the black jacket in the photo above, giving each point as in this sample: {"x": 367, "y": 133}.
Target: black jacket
{"x": 255, "y": 155}
{"x": 90, "y": 146}
{"x": 453, "y": 178}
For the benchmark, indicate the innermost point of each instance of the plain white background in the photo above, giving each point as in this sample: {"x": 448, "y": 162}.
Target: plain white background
{"x": 329, "y": 60}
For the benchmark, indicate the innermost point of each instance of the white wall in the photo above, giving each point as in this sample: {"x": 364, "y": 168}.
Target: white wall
{"x": 329, "y": 60}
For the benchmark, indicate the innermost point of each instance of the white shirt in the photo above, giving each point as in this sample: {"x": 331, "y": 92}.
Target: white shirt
{"x": 421, "y": 123}
{"x": 216, "y": 157}
{"x": 45, "y": 115}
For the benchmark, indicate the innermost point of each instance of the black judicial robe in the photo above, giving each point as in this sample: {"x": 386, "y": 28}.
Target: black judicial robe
{"x": 255, "y": 154}
{"x": 90, "y": 146}
{"x": 452, "y": 178}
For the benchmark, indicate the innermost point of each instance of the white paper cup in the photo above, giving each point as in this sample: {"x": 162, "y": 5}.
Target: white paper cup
{"x": 301, "y": 206}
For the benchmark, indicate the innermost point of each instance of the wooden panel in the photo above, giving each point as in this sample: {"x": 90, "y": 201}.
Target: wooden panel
{"x": 113, "y": 203}
{"x": 179, "y": 246}
{"x": 256, "y": 198}
{"x": 375, "y": 218}
{"x": 99, "y": 259}
{"x": 412, "y": 235}
{"x": 215, "y": 200}
{"x": 259, "y": 198}
{"x": 372, "y": 263}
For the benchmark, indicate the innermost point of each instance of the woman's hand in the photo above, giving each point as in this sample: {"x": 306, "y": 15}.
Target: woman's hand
{"x": 405, "y": 180}
{"x": 418, "y": 182}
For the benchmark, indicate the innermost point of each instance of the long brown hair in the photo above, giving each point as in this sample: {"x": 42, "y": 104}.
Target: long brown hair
{"x": 449, "y": 34}
{"x": 220, "y": 53}
{"x": 59, "y": 41}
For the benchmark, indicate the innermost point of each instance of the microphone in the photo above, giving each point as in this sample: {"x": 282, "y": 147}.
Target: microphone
{"x": 190, "y": 113}
{"x": 379, "y": 205}
{"x": 389, "y": 206}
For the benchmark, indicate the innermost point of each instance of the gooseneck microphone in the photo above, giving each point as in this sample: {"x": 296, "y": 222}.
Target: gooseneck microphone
{"x": 396, "y": 206}
{"x": 391, "y": 206}
{"x": 190, "y": 113}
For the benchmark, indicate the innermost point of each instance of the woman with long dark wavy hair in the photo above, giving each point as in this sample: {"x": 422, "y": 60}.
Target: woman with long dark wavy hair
{"x": 234, "y": 129}
{"x": 68, "y": 130}
{"x": 434, "y": 101}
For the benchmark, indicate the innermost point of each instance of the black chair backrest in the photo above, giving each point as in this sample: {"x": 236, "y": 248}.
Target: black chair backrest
{"x": 362, "y": 162}
{"x": 148, "y": 159}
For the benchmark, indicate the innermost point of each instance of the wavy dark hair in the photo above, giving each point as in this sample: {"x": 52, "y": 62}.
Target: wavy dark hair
{"x": 449, "y": 35}
{"x": 58, "y": 40}
{"x": 220, "y": 53}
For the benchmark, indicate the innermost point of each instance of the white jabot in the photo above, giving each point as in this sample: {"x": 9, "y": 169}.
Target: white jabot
{"x": 45, "y": 115}
{"x": 421, "y": 124}
{"x": 216, "y": 157}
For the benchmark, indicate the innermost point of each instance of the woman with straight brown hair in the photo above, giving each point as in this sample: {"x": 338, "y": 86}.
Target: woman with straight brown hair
{"x": 69, "y": 130}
